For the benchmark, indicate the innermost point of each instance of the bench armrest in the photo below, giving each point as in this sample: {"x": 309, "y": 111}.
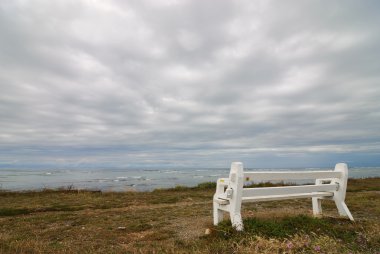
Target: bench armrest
{"x": 221, "y": 183}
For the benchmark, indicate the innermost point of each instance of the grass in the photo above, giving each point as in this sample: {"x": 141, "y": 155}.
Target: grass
{"x": 174, "y": 221}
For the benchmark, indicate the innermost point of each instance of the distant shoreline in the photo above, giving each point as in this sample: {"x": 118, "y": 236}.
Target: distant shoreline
{"x": 203, "y": 185}
{"x": 118, "y": 180}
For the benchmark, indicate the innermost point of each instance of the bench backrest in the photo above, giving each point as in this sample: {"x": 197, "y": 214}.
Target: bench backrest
{"x": 337, "y": 181}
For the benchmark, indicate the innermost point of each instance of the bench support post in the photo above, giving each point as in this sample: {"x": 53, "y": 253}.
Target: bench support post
{"x": 317, "y": 206}
{"x": 317, "y": 202}
{"x": 217, "y": 212}
{"x": 236, "y": 184}
{"x": 340, "y": 195}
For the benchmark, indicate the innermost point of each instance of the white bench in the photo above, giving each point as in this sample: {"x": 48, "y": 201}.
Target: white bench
{"x": 230, "y": 192}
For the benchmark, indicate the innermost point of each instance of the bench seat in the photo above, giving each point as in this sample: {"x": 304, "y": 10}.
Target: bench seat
{"x": 288, "y": 196}
{"x": 278, "y": 197}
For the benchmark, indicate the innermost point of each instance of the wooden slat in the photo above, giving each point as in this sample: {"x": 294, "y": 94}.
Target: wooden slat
{"x": 287, "y": 190}
{"x": 222, "y": 201}
{"x": 290, "y": 175}
{"x": 283, "y": 197}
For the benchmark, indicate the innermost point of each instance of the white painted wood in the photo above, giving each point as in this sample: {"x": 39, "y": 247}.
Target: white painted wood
{"x": 288, "y": 196}
{"x": 290, "y": 175}
{"x": 287, "y": 190}
{"x": 217, "y": 212}
{"x": 223, "y": 181}
{"x": 342, "y": 206}
{"x": 317, "y": 206}
{"x": 230, "y": 192}
{"x": 340, "y": 194}
{"x": 316, "y": 201}
{"x": 222, "y": 201}
{"x": 236, "y": 188}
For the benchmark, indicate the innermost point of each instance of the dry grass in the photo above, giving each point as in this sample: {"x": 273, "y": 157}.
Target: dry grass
{"x": 174, "y": 221}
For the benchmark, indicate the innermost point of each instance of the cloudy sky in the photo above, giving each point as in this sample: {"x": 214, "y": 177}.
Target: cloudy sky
{"x": 189, "y": 83}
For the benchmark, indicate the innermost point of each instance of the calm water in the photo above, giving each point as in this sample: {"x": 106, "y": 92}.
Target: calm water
{"x": 128, "y": 179}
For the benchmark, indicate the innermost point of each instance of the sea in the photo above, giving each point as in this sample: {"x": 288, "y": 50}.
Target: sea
{"x": 142, "y": 179}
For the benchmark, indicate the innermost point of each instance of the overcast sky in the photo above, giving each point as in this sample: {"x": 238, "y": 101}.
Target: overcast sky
{"x": 189, "y": 83}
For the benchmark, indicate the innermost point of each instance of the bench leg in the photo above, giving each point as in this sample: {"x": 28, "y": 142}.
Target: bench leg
{"x": 343, "y": 209}
{"x": 237, "y": 221}
{"x": 317, "y": 206}
{"x": 218, "y": 214}
{"x": 340, "y": 193}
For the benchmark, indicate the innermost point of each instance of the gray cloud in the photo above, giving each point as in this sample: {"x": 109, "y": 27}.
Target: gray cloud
{"x": 188, "y": 83}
